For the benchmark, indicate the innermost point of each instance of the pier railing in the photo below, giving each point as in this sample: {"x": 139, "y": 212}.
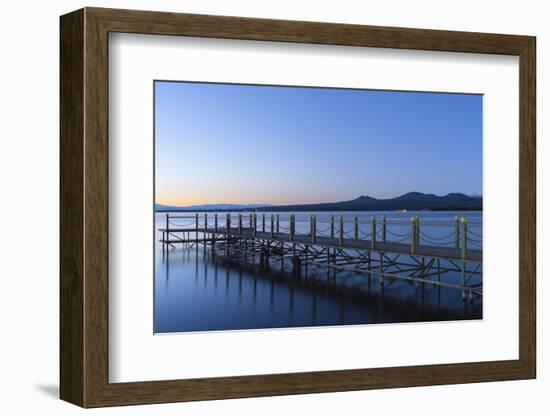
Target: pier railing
{"x": 460, "y": 233}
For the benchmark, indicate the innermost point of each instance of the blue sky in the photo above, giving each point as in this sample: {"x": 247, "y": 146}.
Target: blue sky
{"x": 226, "y": 143}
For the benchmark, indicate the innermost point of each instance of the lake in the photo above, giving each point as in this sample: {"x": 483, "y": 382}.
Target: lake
{"x": 197, "y": 289}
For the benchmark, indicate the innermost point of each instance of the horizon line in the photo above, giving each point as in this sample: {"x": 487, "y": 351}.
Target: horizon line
{"x": 253, "y": 204}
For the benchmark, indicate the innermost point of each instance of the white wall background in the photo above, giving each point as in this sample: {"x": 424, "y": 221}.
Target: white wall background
{"x": 29, "y": 209}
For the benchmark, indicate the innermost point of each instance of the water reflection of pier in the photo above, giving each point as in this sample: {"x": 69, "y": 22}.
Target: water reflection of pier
{"x": 391, "y": 250}
{"x": 423, "y": 302}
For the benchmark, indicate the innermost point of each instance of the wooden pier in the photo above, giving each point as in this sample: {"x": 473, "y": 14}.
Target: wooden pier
{"x": 389, "y": 249}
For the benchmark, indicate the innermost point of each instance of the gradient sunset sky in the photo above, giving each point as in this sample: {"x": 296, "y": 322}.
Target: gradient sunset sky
{"x": 242, "y": 144}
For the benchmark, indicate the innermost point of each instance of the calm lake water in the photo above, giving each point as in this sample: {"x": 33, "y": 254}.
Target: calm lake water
{"x": 199, "y": 290}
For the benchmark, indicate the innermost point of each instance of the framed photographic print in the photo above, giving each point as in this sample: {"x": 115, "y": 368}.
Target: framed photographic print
{"x": 255, "y": 207}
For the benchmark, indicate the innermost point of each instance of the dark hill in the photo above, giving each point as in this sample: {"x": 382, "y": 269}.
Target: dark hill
{"x": 412, "y": 201}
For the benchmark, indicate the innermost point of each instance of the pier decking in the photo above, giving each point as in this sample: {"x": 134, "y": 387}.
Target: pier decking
{"x": 377, "y": 247}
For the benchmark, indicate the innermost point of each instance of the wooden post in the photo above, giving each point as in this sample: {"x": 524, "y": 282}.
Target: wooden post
{"x": 373, "y": 232}
{"x": 254, "y": 220}
{"x": 341, "y": 242}
{"x": 384, "y": 225}
{"x": 240, "y": 223}
{"x": 332, "y": 226}
{"x": 457, "y": 233}
{"x": 271, "y": 227}
{"x": 263, "y": 223}
{"x": 417, "y": 222}
{"x": 250, "y": 223}
{"x": 277, "y": 231}
{"x": 166, "y": 236}
{"x": 356, "y": 227}
{"x": 292, "y": 227}
{"x": 205, "y": 228}
{"x": 197, "y": 229}
{"x": 215, "y": 230}
{"x": 227, "y": 230}
{"x": 464, "y": 222}
{"x": 413, "y": 235}
{"x": 313, "y": 229}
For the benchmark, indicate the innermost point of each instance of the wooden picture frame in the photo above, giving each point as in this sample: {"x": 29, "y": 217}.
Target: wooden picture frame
{"x": 84, "y": 207}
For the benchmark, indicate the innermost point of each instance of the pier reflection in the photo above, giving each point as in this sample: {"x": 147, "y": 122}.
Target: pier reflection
{"x": 271, "y": 294}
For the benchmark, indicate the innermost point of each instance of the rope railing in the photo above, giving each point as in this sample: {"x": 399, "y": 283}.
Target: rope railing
{"x": 180, "y": 224}
{"x": 429, "y": 241}
{"x": 445, "y": 237}
{"x": 436, "y": 243}
{"x": 340, "y": 228}
{"x": 398, "y": 235}
{"x": 474, "y": 234}
{"x": 323, "y": 230}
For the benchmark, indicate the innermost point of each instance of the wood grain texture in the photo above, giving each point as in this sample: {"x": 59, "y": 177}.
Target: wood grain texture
{"x": 162, "y": 23}
{"x": 84, "y": 207}
{"x": 71, "y": 213}
{"x": 527, "y": 208}
{"x": 96, "y": 208}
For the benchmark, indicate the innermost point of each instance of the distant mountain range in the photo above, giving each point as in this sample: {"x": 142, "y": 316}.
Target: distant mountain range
{"x": 412, "y": 201}
{"x": 210, "y": 207}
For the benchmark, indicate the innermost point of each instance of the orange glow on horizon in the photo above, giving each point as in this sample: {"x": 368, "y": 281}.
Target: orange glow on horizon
{"x": 179, "y": 201}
